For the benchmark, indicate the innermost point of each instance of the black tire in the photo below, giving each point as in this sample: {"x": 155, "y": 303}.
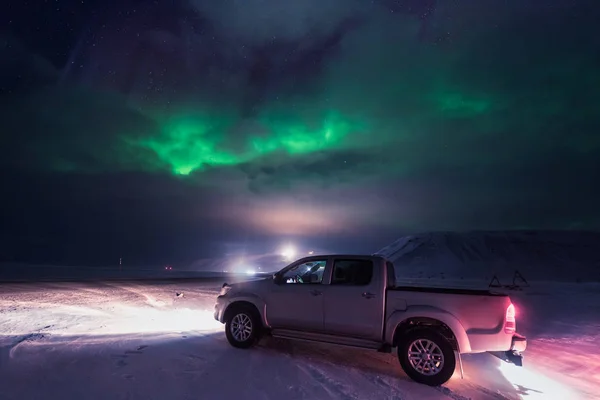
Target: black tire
{"x": 249, "y": 316}
{"x": 424, "y": 363}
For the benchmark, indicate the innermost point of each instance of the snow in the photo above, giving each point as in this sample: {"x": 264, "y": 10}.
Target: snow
{"x": 139, "y": 340}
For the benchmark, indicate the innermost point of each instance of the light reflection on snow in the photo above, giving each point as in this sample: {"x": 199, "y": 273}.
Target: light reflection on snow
{"x": 117, "y": 319}
{"x": 151, "y": 320}
{"x": 533, "y": 385}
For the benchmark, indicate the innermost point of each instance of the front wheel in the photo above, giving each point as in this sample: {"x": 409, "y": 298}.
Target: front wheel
{"x": 242, "y": 327}
{"x": 427, "y": 357}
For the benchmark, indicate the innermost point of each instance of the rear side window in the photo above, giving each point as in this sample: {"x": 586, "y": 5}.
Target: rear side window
{"x": 352, "y": 272}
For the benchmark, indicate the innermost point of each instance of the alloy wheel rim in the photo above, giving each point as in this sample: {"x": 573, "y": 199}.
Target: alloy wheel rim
{"x": 241, "y": 327}
{"x": 425, "y": 357}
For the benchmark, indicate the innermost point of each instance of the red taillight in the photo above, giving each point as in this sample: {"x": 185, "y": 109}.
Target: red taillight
{"x": 510, "y": 323}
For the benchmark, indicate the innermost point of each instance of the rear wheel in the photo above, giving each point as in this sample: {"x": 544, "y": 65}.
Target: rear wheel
{"x": 242, "y": 327}
{"x": 426, "y": 356}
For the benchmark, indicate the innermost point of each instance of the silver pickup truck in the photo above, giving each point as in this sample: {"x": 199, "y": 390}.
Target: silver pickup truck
{"x": 354, "y": 301}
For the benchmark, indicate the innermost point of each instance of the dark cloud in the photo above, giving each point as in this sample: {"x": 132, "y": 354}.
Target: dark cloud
{"x": 283, "y": 67}
{"x": 71, "y": 128}
{"x": 21, "y": 69}
{"x": 276, "y": 173}
{"x": 71, "y": 218}
{"x": 260, "y": 21}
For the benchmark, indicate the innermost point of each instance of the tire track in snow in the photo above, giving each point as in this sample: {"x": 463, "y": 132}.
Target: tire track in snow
{"x": 480, "y": 389}
{"x": 336, "y": 389}
{"x": 449, "y": 393}
{"x": 32, "y": 337}
{"x": 381, "y": 383}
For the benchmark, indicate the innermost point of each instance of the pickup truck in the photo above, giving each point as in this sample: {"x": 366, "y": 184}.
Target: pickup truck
{"x": 354, "y": 301}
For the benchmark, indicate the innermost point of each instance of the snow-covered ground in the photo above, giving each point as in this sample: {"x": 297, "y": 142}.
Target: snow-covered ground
{"x": 139, "y": 340}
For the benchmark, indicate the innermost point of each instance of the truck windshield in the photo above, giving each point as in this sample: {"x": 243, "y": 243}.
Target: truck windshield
{"x": 308, "y": 272}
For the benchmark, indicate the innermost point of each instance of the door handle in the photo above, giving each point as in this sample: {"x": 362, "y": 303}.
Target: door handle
{"x": 316, "y": 292}
{"x": 368, "y": 295}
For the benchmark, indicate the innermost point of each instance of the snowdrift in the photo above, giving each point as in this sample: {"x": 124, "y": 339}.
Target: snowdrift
{"x": 566, "y": 256}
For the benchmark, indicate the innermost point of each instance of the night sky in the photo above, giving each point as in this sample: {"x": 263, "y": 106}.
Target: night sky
{"x": 166, "y": 131}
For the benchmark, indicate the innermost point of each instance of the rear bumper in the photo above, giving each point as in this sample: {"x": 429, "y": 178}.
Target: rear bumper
{"x": 513, "y": 355}
{"x": 518, "y": 343}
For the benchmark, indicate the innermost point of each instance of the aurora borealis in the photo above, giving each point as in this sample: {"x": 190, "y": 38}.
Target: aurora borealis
{"x": 183, "y": 125}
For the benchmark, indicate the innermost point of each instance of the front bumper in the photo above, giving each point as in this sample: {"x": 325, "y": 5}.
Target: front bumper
{"x": 219, "y": 308}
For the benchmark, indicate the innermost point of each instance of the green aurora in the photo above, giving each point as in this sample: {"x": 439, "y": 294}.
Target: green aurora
{"x": 192, "y": 143}
{"x": 428, "y": 102}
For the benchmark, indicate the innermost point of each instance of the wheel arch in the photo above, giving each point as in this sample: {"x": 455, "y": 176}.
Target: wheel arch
{"x": 433, "y": 318}
{"x": 242, "y": 303}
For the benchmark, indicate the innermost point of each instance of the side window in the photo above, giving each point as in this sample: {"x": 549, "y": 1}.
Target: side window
{"x": 307, "y": 273}
{"x": 352, "y": 272}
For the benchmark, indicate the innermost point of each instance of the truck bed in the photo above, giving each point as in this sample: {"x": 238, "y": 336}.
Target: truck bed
{"x": 480, "y": 313}
{"x": 433, "y": 289}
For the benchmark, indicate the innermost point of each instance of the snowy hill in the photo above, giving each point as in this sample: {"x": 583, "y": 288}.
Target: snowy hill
{"x": 567, "y": 256}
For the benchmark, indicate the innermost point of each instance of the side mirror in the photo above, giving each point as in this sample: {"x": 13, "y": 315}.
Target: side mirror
{"x": 276, "y": 278}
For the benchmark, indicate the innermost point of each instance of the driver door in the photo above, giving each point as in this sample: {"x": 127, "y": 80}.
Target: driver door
{"x": 296, "y": 301}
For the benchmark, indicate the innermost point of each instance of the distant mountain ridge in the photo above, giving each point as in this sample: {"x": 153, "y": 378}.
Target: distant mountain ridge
{"x": 538, "y": 255}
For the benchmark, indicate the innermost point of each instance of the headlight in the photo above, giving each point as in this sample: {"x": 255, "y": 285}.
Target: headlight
{"x": 224, "y": 290}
